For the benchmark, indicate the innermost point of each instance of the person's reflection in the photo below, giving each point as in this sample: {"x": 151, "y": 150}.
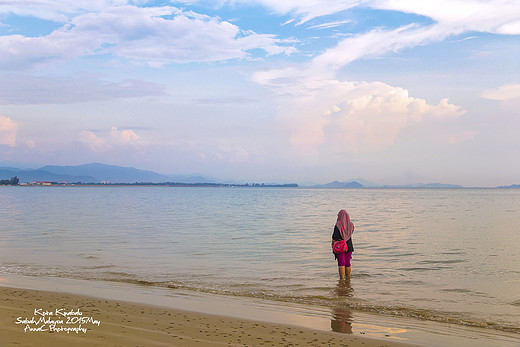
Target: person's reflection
{"x": 341, "y": 321}
{"x": 344, "y": 288}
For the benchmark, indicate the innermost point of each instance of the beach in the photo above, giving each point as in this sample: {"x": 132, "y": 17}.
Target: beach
{"x": 220, "y": 251}
{"x": 119, "y": 323}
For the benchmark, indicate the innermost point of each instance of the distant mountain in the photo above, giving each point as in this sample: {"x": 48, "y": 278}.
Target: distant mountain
{"x": 41, "y": 175}
{"x": 364, "y": 182}
{"x": 97, "y": 173}
{"x": 110, "y": 173}
{"x": 337, "y": 184}
{"x": 17, "y": 165}
{"x": 367, "y": 184}
{"x": 511, "y": 186}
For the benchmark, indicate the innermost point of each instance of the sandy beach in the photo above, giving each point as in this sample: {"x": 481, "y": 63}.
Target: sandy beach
{"x": 27, "y": 317}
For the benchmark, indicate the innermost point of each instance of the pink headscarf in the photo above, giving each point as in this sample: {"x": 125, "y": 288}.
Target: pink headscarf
{"x": 344, "y": 221}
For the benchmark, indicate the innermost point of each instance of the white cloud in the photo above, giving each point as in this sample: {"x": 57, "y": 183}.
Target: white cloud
{"x": 57, "y": 10}
{"x": 124, "y": 136}
{"x": 305, "y": 9}
{"x": 502, "y": 93}
{"x": 96, "y": 144}
{"x": 329, "y": 24}
{"x": 496, "y": 16}
{"x": 109, "y": 141}
{"x": 156, "y": 35}
{"x": 8, "y": 130}
{"x": 352, "y": 116}
{"x": 373, "y": 44}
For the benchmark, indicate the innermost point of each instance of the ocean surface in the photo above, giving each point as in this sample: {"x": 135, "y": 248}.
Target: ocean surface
{"x": 446, "y": 255}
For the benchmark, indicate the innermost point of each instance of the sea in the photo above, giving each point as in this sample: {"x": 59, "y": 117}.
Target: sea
{"x": 439, "y": 255}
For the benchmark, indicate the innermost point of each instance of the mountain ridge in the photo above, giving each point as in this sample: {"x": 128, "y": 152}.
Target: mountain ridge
{"x": 104, "y": 173}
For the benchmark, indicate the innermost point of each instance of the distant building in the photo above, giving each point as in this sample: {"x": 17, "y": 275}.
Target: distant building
{"x": 40, "y": 183}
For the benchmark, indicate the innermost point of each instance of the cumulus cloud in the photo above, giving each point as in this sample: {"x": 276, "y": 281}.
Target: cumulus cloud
{"x": 354, "y": 116}
{"x": 124, "y": 136}
{"x": 502, "y": 93}
{"x": 8, "y": 130}
{"x": 108, "y": 141}
{"x": 155, "y": 35}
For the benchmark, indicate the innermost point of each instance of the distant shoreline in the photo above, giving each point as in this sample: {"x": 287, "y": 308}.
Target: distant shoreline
{"x": 228, "y": 185}
{"x": 167, "y": 184}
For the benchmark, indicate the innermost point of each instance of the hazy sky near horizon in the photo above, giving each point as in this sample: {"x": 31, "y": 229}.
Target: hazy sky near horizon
{"x": 394, "y": 91}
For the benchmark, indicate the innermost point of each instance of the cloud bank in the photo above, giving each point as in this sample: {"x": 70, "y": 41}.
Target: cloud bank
{"x": 153, "y": 35}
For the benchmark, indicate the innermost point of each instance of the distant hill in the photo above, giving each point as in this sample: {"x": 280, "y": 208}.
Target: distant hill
{"x": 364, "y": 182}
{"x": 110, "y": 173}
{"x": 41, "y": 175}
{"x": 337, "y": 184}
{"x": 368, "y": 184}
{"x": 511, "y": 186}
{"x": 97, "y": 173}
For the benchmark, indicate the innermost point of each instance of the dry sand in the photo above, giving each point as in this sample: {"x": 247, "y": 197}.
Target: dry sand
{"x": 130, "y": 324}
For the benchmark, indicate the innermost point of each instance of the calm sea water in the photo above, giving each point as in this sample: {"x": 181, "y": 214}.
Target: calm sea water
{"x": 440, "y": 255}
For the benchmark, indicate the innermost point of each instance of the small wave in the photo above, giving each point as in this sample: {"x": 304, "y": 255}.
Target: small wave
{"x": 98, "y": 267}
{"x": 404, "y": 254}
{"x": 119, "y": 274}
{"x": 137, "y": 281}
{"x": 453, "y": 253}
{"x": 453, "y": 261}
{"x": 466, "y": 291}
{"x": 435, "y": 268}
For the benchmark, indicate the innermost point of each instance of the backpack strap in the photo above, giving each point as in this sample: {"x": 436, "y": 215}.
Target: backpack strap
{"x": 341, "y": 231}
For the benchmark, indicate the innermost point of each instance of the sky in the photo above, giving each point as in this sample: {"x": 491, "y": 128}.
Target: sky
{"x": 392, "y": 91}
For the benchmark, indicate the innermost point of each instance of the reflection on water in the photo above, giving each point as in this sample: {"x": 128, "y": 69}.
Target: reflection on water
{"x": 344, "y": 288}
{"x": 341, "y": 321}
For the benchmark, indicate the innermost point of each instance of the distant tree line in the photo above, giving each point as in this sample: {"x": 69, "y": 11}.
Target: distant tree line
{"x": 10, "y": 182}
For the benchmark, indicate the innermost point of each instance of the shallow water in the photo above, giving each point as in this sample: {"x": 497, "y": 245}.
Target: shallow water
{"x": 440, "y": 255}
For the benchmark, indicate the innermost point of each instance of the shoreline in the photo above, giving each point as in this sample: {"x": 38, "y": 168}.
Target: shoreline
{"x": 117, "y": 302}
{"x": 46, "y": 318}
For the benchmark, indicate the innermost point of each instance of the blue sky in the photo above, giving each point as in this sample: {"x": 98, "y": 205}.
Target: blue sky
{"x": 394, "y": 91}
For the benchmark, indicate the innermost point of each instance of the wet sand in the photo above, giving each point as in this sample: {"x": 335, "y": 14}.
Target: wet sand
{"x": 121, "y": 323}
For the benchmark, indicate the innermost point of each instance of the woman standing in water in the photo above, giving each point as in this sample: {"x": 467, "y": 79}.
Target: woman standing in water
{"x": 343, "y": 231}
